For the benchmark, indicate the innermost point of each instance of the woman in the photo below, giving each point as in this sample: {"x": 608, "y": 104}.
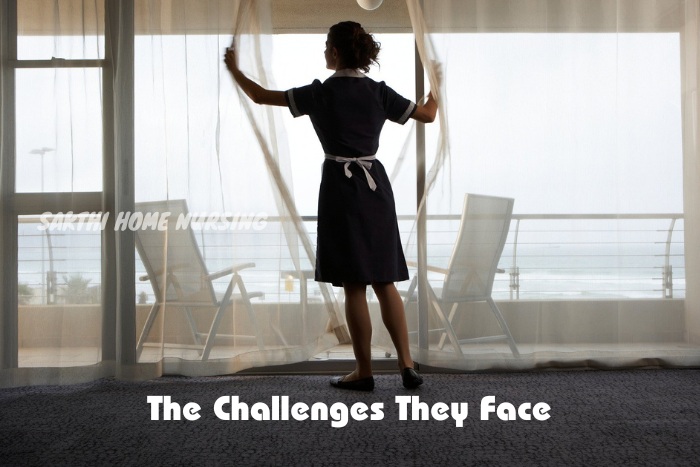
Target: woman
{"x": 358, "y": 237}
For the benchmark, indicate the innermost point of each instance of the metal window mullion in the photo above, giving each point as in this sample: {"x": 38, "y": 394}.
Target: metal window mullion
{"x": 421, "y": 220}
{"x": 9, "y": 322}
{"x": 58, "y": 63}
{"x": 28, "y": 204}
{"x": 108, "y": 253}
{"x": 119, "y": 191}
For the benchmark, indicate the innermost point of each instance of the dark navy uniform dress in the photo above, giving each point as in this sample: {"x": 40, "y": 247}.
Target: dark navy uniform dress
{"x": 358, "y": 236}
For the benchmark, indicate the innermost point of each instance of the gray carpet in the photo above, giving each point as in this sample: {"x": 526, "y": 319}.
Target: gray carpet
{"x": 638, "y": 417}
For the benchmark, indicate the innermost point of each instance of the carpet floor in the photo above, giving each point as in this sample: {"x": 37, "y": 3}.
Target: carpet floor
{"x": 630, "y": 417}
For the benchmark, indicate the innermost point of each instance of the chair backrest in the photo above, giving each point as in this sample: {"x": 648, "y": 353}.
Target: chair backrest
{"x": 179, "y": 268}
{"x": 480, "y": 241}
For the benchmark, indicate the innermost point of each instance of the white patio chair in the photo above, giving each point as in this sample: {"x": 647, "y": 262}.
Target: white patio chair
{"x": 180, "y": 279}
{"x": 472, "y": 268}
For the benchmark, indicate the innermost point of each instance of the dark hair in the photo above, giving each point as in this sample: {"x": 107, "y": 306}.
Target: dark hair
{"x": 357, "y": 48}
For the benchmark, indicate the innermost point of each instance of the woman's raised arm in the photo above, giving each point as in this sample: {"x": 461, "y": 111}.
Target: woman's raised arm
{"x": 426, "y": 113}
{"x": 253, "y": 90}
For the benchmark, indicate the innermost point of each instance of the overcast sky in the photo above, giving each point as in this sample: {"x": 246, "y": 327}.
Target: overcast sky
{"x": 564, "y": 123}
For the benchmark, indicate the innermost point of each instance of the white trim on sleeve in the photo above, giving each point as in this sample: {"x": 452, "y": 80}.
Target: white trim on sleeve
{"x": 292, "y": 105}
{"x": 407, "y": 114}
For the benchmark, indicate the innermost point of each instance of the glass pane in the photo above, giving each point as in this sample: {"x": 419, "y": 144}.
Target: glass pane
{"x": 565, "y": 123}
{"x": 59, "y": 130}
{"x": 59, "y": 273}
{"x": 569, "y": 125}
{"x": 69, "y": 29}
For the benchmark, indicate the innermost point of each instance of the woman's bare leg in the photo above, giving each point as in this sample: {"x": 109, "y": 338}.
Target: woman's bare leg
{"x": 394, "y": 319}
{"x": 360, "y": 326}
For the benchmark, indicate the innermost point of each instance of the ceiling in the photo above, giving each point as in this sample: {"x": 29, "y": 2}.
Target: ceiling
{"x": 55, "y": 17}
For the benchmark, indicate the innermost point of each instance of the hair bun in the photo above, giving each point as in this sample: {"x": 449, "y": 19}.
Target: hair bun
{"x": 357, "y": 48}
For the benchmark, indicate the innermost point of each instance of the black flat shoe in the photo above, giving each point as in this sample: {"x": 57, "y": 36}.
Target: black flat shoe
{"x": 364, "y": 384}
{"x": 411, "y": 379}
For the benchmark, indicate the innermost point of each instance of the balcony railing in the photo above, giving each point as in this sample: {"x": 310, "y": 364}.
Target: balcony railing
{"x": 636, "y": 251}
{"x": 568, "y": 257}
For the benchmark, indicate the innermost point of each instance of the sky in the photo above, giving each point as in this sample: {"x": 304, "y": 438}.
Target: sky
{"x": 563, "y": 123}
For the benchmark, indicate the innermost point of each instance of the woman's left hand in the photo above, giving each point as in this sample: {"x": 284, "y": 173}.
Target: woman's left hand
{"x": 231, "y": 59}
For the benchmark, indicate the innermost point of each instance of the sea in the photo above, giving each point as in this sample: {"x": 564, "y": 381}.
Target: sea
{"x": 544, "y": 261}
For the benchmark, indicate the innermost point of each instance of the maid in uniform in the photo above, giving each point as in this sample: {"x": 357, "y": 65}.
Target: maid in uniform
{"x": 358, "y": 240}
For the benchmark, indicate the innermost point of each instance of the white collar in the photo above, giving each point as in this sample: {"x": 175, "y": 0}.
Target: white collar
{"x": 348, "y": 73}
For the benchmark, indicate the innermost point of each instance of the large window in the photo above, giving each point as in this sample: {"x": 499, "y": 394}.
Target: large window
{"x": 58, "y": 171}
{"x": 566, "y": 123}
{"x": 583, "y": 130}
{"x": 185, "y": 149}
{"x": 582, "y": 112}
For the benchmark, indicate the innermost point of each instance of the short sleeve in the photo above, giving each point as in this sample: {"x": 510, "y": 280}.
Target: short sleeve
{"x": 303, "y": 100}
{"x": 398, "y": 109}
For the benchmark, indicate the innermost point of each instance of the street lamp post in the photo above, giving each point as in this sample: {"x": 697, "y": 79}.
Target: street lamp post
{"x": 50, "y": 276}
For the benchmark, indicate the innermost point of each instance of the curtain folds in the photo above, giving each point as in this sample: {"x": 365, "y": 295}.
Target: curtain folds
{"x": 190, "y": 245}
{"x": 228, "y": 159}
{"x": 555, "y": 112}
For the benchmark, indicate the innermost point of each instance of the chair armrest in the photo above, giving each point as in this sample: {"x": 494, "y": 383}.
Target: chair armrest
{"x": 227, "y": 271}
{"x": 438, "y": 269}
{"x": 413, "y": 264}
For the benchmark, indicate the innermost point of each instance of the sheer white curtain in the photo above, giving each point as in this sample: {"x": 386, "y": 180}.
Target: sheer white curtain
{"x": 585, "y": 113}
{"x": 199, "y": 140}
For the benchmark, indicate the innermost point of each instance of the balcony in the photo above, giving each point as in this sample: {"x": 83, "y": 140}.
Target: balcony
{"x": 564, "y": 276}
